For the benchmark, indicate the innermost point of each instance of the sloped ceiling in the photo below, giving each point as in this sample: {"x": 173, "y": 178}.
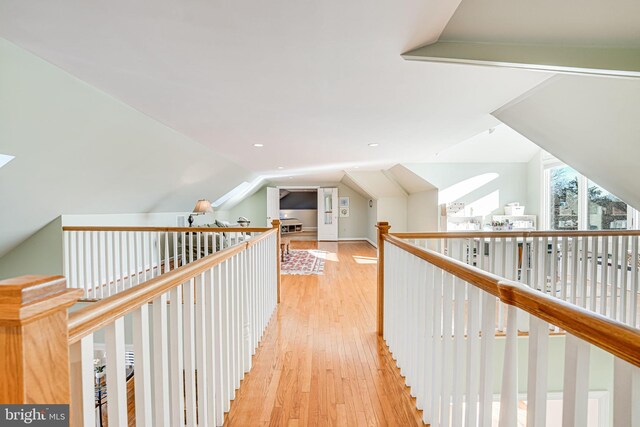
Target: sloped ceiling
{"x": 568, "y": 22}
{"x": 590, "y": 123}
{"x": 315, "y": 82}
{"x": 78, "y": 150}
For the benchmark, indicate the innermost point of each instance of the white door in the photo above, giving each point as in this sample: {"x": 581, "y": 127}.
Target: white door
{"x": 327, "y": 214}
{"x": 273, "y": 204}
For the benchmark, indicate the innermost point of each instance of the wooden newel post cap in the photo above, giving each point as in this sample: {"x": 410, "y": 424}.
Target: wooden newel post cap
{"x": 27, "y": 298}
{"x": 34, "y": 339}
{"x": 275, "y": 223}
{"x": 383, "y": 226}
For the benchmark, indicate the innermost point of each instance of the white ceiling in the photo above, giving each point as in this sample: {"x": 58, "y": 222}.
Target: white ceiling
{"x": 315, "y": 82}
{"x": 499, "y": 144}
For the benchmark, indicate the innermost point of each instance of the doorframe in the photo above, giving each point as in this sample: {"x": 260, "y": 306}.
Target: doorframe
{"x": 302, "y": 187}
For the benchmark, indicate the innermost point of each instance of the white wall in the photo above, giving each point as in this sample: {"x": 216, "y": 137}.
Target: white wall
{"x": 80, "y": 151}
{"x": 508, "y": 183}
{"x": 422, "y": 211}
{"x": 394, "y": 211}
{"x": 535, "y": 192}
{"x": 39, "y": 254}
{"x": 372, "y": 219}
{"x": 355, "y": 225}
{"x": 253, "y": 208}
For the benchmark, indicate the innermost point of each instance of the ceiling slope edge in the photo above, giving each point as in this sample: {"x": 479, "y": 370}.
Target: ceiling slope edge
{"x": 590, "y": 123}
{"x": 605, "y": 61}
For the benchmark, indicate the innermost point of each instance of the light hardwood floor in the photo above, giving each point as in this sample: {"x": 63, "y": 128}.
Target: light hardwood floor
{"x": 320, "y": 361}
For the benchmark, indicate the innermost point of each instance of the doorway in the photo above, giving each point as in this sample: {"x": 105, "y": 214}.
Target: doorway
{"x": 298, "y": 213}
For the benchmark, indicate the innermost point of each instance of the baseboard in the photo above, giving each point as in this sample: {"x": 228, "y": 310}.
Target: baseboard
{"x": 360, "y": 239}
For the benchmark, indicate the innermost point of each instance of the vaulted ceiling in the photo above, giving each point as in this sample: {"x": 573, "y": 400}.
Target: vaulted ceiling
{"x": 314, "y": 82}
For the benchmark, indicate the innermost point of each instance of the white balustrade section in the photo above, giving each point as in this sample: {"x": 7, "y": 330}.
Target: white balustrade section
{"x": 446, "y": 333}
{"x": 107, "y": 260}
{"x": 192, "y": 344}
{"x": 598, "y": 271}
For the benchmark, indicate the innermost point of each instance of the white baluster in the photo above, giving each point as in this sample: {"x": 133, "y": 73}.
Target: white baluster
{"x": 142, "y": 366}
{"x": 576, "y": 382}
{"x": 509, "y": 391}
{"x": 584, "y": 269}
{"x": 176, "y": 341}
{"x": 83, "y": 400}
{"x": 626, "y": 394}
{"x": 136, "y": 257}
{"x": 121, "y": 269}
{"x": 447, "y": 347}
{"x": 486, "y": 358}
{"x": 201, "y": 346}
{"x": 66, "y": 261}
{"x": 458, "y": 334}
{"x": 161, "y": 363}
{"x": 614, "y": 278}
{"x": 436, "y": 345}
{"x": 594, "y": 273}
{"x": 116, "y": 376}
{"x": 421, "y": 328}
{"x": 604, "y": 289}
{"x": 226, "y": 339}
{"x": 220, "y": 344}
{"x": 473, "y": 356}
{"x": 143, "y": 255}
{"x": 210, "y": 347}
{"x": 633, "y": 319}
{"x": 574, "y": 269}
{"x": 623, "y": 279}
{"x": 537, "y": 374}
{"x": 565, "y": 267}
{"x": 429, "y": 305}
{"x": 189, "y": 351}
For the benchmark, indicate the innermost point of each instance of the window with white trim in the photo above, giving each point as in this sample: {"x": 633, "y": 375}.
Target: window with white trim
{"x": 574, "y": 202}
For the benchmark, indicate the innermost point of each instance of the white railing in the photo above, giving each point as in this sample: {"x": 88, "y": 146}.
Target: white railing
{"x": 598, "y": 271}
{"x": 194, "y": 331}
{"x": 470, "y": 363}
{"x": 106, "y": 260}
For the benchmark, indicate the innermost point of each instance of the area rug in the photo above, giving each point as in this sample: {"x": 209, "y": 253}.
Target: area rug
{"x": 303, "y": 262}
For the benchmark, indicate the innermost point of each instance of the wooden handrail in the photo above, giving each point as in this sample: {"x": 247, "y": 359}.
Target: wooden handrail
{"x": 614, "y": 337}
{"x": 169, "y": 229}
{"x": 94, "y": 317}
{"x": 511, "y": 234}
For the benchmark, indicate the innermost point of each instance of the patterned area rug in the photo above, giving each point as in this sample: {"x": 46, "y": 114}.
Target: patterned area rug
{"x": 303, "y": 262}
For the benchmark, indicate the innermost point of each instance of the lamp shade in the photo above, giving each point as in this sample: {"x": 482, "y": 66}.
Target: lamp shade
{"x": 202, "y": 206}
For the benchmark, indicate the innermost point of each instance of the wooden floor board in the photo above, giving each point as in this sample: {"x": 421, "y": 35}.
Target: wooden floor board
{"x": 320, "y": 362}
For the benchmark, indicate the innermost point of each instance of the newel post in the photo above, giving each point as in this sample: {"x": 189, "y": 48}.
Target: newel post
{"x": 34, "y": 348}
{"x": 383, "y": 228}
{"x": 276, "y": 224}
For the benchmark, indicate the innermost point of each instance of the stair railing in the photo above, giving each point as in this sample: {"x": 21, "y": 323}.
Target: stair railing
{"x": 193, "y": 331}
{"x": 440, "y": 317}
{"x": 107, "y": 260}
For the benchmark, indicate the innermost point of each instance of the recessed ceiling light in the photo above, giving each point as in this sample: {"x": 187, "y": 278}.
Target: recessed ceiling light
{"x": 280, "y": 167}
{"x": 258, "y": 145}
{"x": 356, "y": 167}
{"x": 373, "y": 144}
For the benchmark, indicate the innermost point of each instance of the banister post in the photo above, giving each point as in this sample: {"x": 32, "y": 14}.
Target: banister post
{"x": 276, "y": 224}
{"x": 383, "y": 228}
{"x": 34, "y": 347}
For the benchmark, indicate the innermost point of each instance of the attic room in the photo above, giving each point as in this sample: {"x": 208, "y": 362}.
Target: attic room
{"x": 401, "y": 213}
